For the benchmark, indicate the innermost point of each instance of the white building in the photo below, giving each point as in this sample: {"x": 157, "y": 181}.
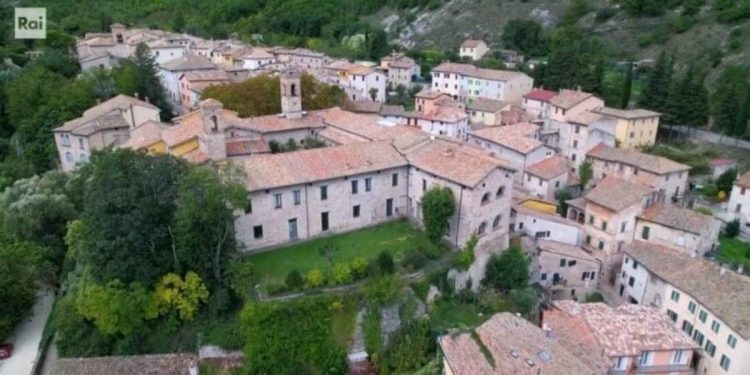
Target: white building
{"x": 163, "y": 50}
{"x": 545, "y": 178}
{"x": 739, "y": 202}
{"x": 703, "y": 299}
{"x": 567, "y": 271}
{"x": 171, "y": 71}
{"x": 256, "y": 59}
{"x": 362, "y": 82}
{"x": 463, "y": 81}
{"x": 401, "y": 69}
{"x": 686, "y": 230}
{"x": 473, "y": 49}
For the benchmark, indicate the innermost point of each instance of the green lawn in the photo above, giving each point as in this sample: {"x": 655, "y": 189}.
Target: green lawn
{"x": 397, "y": 237}
{"x": 734, "y": 251}
{"x": 447, "y": 314}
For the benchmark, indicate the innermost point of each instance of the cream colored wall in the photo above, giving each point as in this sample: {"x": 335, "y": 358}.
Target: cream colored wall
{"x": 558, "y": 114}
{"x": 637, "y": 132}
{"x": 549, "y": 263}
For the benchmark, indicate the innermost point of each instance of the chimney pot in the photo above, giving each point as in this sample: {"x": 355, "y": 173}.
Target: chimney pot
{"x": 136, "y": 95}
{"x": 722, "y": 270}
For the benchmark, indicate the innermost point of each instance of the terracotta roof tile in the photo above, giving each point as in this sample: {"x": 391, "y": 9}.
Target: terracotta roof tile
{"x": 540, "y": 95}
{"x": 629, "y": 114}
{"x": 683, "y": 219}
{"x": 564, "y": 249}
{"x": 518, "y": 137}
{"x": 189, "y": 62}
{"x": 514, "y": 346}
{"x": 471, "y": 43}
{"x": 567, "y": 99}
{"x": 648, "y": 162}
{"x": 617, "y": 194}
{"x": 549, "y": 167}
{"x": 485, "y": 105}
{"x": 472, "y": 71}
{"x": 726, "y": 295}
{"x": 145, "y": 135}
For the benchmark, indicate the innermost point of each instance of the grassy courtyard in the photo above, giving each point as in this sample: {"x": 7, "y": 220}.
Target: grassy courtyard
{"x": 396, "y": 237}
{"x": 734, "y": 252}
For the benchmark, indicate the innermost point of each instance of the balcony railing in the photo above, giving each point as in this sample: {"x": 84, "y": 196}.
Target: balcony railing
{"x": 685, "y": 369}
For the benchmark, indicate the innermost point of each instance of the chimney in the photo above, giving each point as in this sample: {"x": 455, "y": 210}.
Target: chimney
{"x": 548, "y": 332}
{"x": 145, "y": 98}
{"x": 578, "y": 88}
{"x": 741, "y": 269}
{"x": 98, "y": 101}
{"x": 136, "y": 95}
{"x": 722, "y": 270}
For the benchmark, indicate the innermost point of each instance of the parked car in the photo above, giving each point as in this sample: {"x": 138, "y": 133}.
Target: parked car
{"x": 6, "y": 350}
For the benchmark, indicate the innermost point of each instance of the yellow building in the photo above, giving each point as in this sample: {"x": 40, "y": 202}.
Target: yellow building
{"x": 633, "y": 127}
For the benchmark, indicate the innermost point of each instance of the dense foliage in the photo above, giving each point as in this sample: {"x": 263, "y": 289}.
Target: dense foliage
{"x": 438, "y": 206}
{"x": 292, "y": 338}
{"x": 508, "y": 270}
{"x": 21, "y": 266}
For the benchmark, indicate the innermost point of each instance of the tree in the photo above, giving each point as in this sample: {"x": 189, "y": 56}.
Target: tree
{"x": 385, "y": 263}
{"x": 726, "y": 180}
{"x": 203, "y": 225}
{"x": 21, "y": 265}
{"x": 585, "y": 172}
{"x": 411, "y": 348}
{"x": 438, "y": 206}
{"x": 507, "y": 270}
{"x": 524, "y": 35}
{"x": 373, "y": 93}
{"x": 740, "y": 126}
{"x": 627, "y": 87}
{"x": 657, "y": 88}
{"x": 114, "y": 307}
{"x": 139, "y": 75}
{"x": 563, "y": 196}
{"x": 128, "y": 206}
{"x": 294, "y": 280}
{"x": 174, "y": 293}
{"x": 688, "y": 101}
{"x": 594, "y": 79}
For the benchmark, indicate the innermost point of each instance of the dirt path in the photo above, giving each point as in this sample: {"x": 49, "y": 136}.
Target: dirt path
{"x": 27, "y": 337}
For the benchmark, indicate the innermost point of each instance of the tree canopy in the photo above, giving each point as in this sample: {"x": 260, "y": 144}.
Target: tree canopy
{"x": 508, "y": 270}
{"x": 438, "y": 206}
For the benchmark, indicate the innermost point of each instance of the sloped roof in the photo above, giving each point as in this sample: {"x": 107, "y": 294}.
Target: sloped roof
{"x": 564, "y": 249}
{"x": 648, "y": 162}
{"x": 585, "y": 118}
{"x": 471, "y": 43}
{"x": 549, "y": 168}
{"x": 188, "y": 62}
{"x": 92, "y": 116}
{"x": 567, "y": 99}
{"x": 508, "y": 344}
{"x": 472, "y": 71}
{"x": 679, "y": 218}
{"x": 485, "y": 105}
{"x": 516, "y": 137}
{"x": 630, "y": 114}
{"x": 726, "y": 296}
{"x": 540, "y": 95}
{"x": 617, "y": 194}
{"x": 145, "y": 135}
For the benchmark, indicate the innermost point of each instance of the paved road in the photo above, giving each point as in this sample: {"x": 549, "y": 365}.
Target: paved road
{"x": 26, "y": 338}
{"x": 708, "y": 136}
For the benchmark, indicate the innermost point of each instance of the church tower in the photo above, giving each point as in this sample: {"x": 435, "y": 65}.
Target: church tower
{"x": 291, "y": 95}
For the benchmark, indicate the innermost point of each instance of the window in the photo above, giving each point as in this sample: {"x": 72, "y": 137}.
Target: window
{"x": 571, "y": 263}
{"x": 277, "y": 200}
{"x": 394, "y": 179}
{"x": 355, "y": 186}
{"x": 601, "y": 245}
{"x": 258, "y": 232}
{"x": 557, "y": 184}
{"x": 622, "y": 363}
{"x": 631, "y": 281}
{"x": 703, "y": 315}
{"x": 368, "y": 184}
{"x": 710, "y": 348}
{"x": 591, "y": 220}
{"x": 645, "y": 232}
{"x": 698, "y": 337}
{"x": 672, "y": 315}
{"x": 623, "y": 225}
{"x": 562, "y": 262}
{"x": 575, "y": 144}
{"x": 324, "y": 192}
{"x": 482, "y": 228}
{"x": 64, "y": 140}
{"x": 578, "y": 129}
{"x": 485, "y": 198}
{"x": 496, "y": 222}
{"x": 544, "y": 277}
{"x": 635, "y": 170}
{"x": 725, "y": 362}
{"x": 573, "y": 157}
{"x": 645, "y": 359}
{"x": 691, "y": 307}
{"x": 249, "y": 207}
{"x": 69, "y": 157}
{"x": 80, "y": 143}
{"x": 500, "y": 192}
{"x": 355, "y": 211}
{"x": 687, "y": 327}
{"x": 324, "y": 221}
{"x": 715, "y": 326}
{"x": 297, "y": 197}
{"x": 604, "y": 226}
{"x": 731, "y": 341}
{"x": 675, "y": 296}
{"x": 588, "y": 240}
{"x": 679, "y": 357}
{"x": 424, "y": 184}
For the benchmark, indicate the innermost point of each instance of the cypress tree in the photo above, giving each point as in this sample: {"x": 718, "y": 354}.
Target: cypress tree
{"x": 627, "y": 87}
{"x": 657, "y": 89}
{"x": 740, "y": 126}
{"x": 727, "y": 107}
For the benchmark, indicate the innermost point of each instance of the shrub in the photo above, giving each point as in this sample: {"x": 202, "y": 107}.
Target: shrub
{"x": 604, "y": 14}
{"x": 508, "y": 270}
{"x": 523, "y": 300}
{"x": 434, "y": 252}
{"x": 594, "y": 297}
{"x": 466, "y": 256}
{"x": 373, "y": 269}
{"x": 219, "y": 302}
{"x": 341, "y": 274}
{"x": 414, "y": 260}
{"x": 241, "y": 278}
{"x": 385, "y": 263}
{"x": 294, "y": 280}
{"x": 372, "y": 331}
{"x": 438, "y": 206}
{"x": 726, "y": 180}
{"x": 411, "y": 348}
{"x": 314, "y": 278}
{"x": 732, "y": 229}
{"x": 490, "y": 302}
{"x": 421, "y": 288}
{"x": 358, "y": 267}
{"x": 383, "y": 290}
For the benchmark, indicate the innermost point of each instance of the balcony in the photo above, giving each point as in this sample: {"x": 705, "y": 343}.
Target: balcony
{"x": 682, "y": 369}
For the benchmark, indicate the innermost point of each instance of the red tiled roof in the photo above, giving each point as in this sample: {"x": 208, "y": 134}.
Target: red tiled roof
{"x": 541, "y": 95}
{"x": 549, "y": 167}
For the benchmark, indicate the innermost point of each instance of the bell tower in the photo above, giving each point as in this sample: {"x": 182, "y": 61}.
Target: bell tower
{"x": 291, "y": 95}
